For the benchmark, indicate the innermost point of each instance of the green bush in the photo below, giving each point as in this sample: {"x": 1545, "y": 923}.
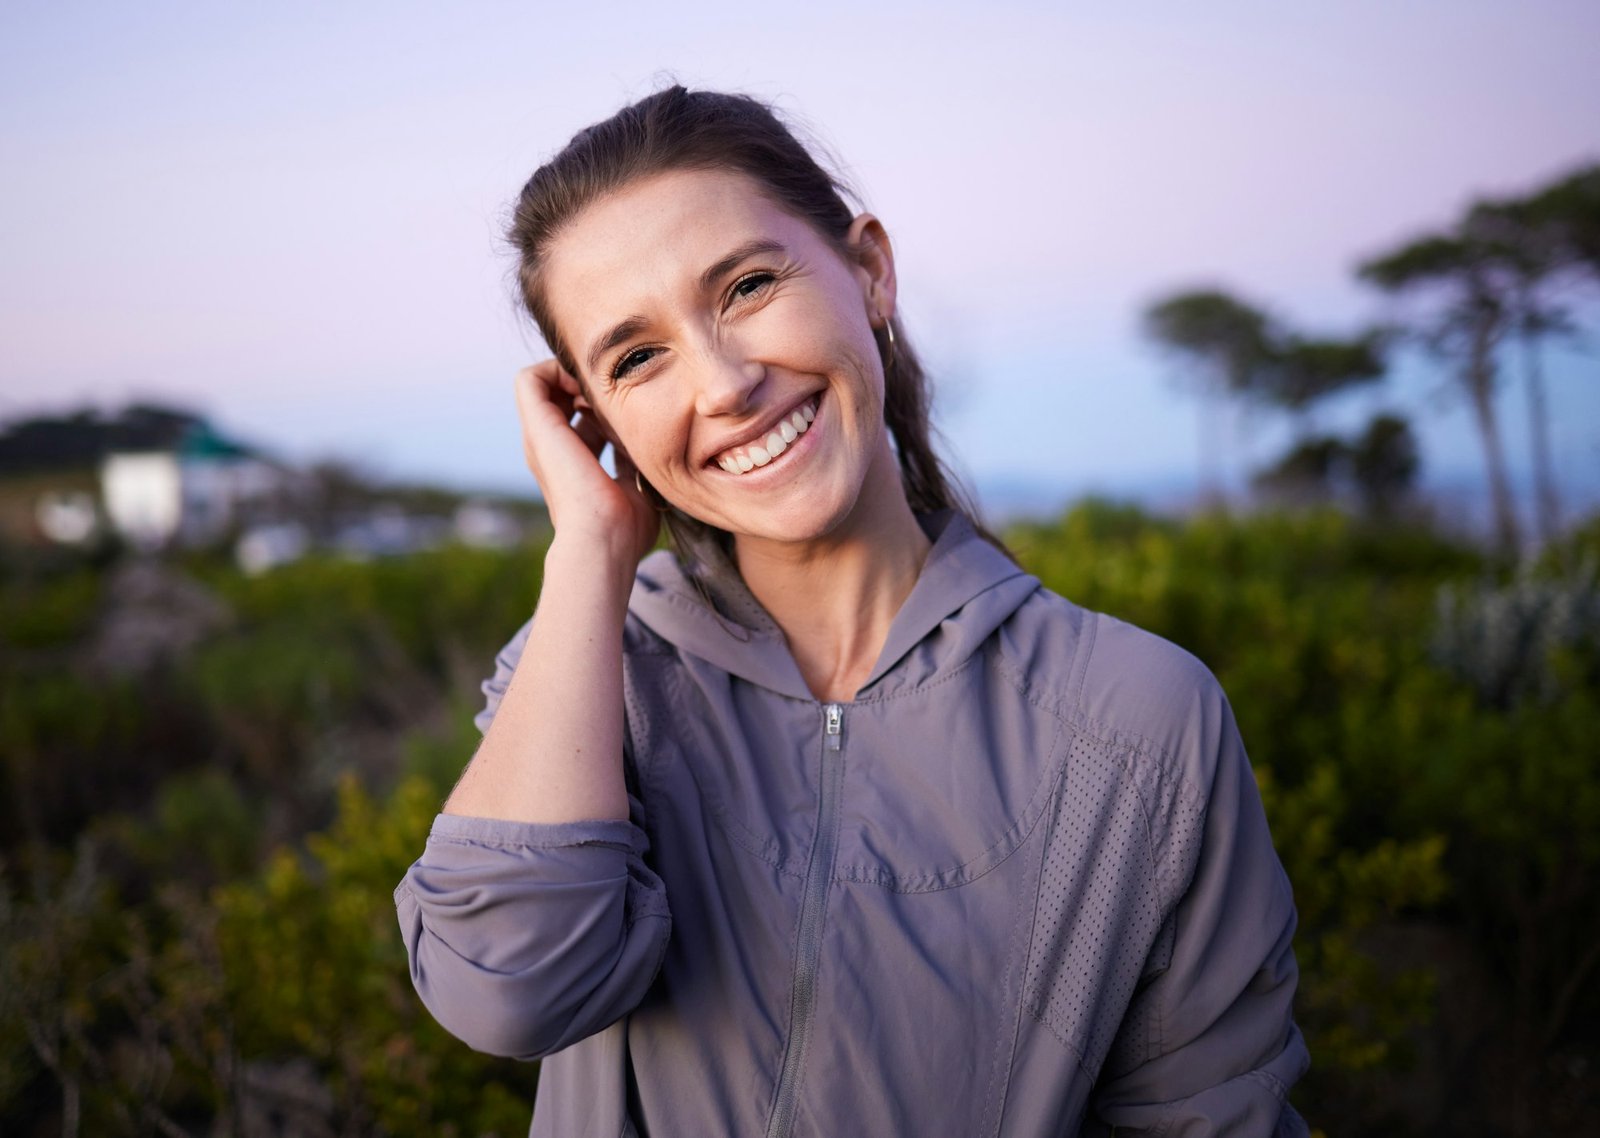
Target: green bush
{"x": 316, "y": 969}
{"x": 196, "y": 925}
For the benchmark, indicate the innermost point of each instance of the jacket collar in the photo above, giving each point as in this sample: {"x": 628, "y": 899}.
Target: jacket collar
{"x": 967, "y": 588}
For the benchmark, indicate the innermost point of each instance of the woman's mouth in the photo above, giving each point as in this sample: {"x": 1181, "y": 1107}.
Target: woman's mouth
{"x": 750, "y": 456}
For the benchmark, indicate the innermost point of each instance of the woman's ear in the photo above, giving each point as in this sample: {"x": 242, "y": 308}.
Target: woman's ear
{"x": 869, "y": 243}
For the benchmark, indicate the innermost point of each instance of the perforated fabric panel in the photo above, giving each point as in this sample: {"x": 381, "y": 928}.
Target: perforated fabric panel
{"x": 1104, "y": 896}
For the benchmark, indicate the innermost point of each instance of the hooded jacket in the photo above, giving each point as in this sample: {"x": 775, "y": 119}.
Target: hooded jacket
{"x": 1021, "y": 885}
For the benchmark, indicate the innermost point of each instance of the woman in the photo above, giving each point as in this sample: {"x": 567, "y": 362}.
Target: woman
{"x": 836, "y": 823}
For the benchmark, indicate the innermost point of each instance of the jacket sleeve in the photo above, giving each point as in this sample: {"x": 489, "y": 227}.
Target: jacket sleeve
{"x": 526, "y": 937}
{"x": 1209, "y": 1045}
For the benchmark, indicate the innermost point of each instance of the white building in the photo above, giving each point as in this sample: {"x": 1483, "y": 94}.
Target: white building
{"x": 191, "y": 494}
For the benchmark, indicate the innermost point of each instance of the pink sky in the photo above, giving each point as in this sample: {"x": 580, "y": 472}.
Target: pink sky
{"x": 288, "y": 216}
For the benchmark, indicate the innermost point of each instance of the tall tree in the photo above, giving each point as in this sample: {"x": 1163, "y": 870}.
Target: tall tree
{"x": 1526, "y": 250}
{"x": 1469, "y": 315}
{"x": 1226, "y": 344}
{"x": 1552, "y": 239}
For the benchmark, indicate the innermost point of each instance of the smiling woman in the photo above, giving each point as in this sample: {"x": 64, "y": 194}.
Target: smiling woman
{"x": 835, "y": 821}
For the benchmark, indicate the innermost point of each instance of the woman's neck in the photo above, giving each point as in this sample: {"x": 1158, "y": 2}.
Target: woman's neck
{"x": 835, "y": 598}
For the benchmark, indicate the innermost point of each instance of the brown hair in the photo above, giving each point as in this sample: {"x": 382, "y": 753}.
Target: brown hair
{"x": 677, "y": 129}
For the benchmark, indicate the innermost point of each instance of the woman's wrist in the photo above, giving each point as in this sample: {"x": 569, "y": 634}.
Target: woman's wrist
{"x": 608, "y": 557}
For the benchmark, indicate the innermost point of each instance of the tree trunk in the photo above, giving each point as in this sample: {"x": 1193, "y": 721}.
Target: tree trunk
{"x": 1548, "y": 505}
{"x": 1211, "y": 426}
{"x": 1479, "y": 379}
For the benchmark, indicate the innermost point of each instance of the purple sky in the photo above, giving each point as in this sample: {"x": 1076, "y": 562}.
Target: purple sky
{"x": 288, "y": 215}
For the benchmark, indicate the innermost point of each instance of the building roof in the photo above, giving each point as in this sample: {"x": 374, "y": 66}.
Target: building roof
{"x": 83, "y": 438}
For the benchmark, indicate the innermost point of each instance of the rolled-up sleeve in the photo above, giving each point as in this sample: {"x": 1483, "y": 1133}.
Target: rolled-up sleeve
{"x": 1219, "y": 1048}
{"x": 524, "y": 938}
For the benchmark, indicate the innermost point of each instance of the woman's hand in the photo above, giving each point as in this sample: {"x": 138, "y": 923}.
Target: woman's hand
{"x": 562, "y": 438}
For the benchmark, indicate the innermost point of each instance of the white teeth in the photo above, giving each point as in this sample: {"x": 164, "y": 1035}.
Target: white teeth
{"x": 769, "y": 448}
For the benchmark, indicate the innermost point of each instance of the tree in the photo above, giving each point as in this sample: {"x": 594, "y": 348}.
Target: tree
{"x": 1302, "y": 371}
{"x": 1570, "y": 210}
{"x": 1226, "y": 342}
{"x": 1383, "y": 464}
{"x": 1471, "y": 313}
{"x": 1374, "y": 470}
{"x": 1309, "y": 474}
{"x": 1547, "y": 240}
{"x": 1526, "y": 251}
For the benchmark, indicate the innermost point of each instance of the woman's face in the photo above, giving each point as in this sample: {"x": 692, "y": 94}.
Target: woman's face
{"x": 729, "y": 349}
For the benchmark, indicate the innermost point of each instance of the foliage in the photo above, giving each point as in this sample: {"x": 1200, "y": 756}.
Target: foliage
{"x": 1303, "y": 371}
{"x": 219, "y": 948}
{"x": 1228, "y": 338}
{"x": 1512, "y": 642}
{"x": 1373, "y": 472}
{"x": 316, "y": 970}
{"x": 281, "y": 992}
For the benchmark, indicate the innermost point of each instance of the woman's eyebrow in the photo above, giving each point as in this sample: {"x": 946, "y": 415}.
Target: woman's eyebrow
{"x": 629, "y": 327}
{"x": 708, "y": 279}
{"x": 722, "y": 265}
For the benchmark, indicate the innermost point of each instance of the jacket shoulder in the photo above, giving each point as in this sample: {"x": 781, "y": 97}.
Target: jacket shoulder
{"x": 1120, "y": 683}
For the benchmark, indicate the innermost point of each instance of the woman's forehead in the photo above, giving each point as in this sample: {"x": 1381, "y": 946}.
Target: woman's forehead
{"x": 654, "y": 238}
{"x": 679, "y": 213}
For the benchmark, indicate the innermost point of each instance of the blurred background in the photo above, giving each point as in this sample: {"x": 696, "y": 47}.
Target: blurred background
{"x": 1275, "y": 331}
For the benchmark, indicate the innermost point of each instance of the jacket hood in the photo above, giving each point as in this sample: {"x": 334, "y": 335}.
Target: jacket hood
{"x": 966, "y": 590}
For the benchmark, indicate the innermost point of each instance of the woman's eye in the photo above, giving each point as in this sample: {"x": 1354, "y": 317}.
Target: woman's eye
{"x": 631, "y": 361}
{"x": 748, "y": 286}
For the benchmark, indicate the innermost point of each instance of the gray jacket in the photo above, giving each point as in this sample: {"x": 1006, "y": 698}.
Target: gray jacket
{"x": 1021, "y": 885}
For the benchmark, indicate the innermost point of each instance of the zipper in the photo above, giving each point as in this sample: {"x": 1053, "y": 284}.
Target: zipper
{"x": 819, "y": 875}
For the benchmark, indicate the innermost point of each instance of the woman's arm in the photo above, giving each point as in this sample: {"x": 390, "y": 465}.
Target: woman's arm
{"x": 532, "y": 919}
{"x": 554, "y": 750}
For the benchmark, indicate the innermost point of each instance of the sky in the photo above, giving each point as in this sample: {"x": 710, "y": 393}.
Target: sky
{"x": 288, "y": 216}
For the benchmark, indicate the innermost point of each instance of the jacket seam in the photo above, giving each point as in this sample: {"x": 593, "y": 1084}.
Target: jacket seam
{"x": 1075, "y": 714}
{"x": 1019, "y": 952}
{"x": 1033, "y": 811}
{"x": 1120, "y": 749}
{"x": 1077, "y": 1056}
{"x": 1018, "y": 831}
{"x": 918, "y": 689}
{"x": 1120, "y": 742}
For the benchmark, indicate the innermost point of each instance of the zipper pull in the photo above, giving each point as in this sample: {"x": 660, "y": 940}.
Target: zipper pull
{"x": 834, "y": 727}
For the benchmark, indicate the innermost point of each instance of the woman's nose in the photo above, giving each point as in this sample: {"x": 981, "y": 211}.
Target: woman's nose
{"x": 727, "y": 383}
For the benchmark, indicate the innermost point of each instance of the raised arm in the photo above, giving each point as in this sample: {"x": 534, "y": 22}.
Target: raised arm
{"x": 532, "y": 918}
{"x": 554, "y": 750}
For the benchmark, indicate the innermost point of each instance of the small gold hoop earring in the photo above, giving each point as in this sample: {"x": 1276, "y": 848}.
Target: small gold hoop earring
{"x": 888, "y": 360}
{"x": 650, "y": 494}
